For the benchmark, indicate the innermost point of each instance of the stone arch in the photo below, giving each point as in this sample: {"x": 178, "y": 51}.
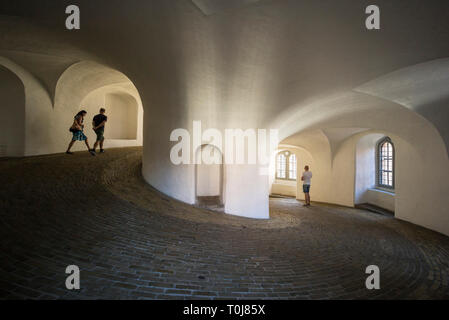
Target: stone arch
{"x": 124, "y": 110}
{"x": 422, "y": 88}
{"x": 37, "y": 106}
{"x": 81, "y": 78}
{"x": 356, "y": 110}
{"x": 286, "y": 188}
{"x": 420, "y": 178}
{"x": 418, "y": 145}
{"x": 91, "y": 85}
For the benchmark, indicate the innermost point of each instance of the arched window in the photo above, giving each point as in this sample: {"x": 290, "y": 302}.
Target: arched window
{"x": 385, "y": 163}
{"x": 286, "y": 166}
{"x": 292, "y": 167}
{"x": 281, "y": 166}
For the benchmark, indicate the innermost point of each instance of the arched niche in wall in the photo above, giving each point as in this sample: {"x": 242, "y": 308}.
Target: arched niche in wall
{"x": 37, "y": 136}
{"x": 12, "y": 111}
{"x": 88, "y": 85}
{"x": 122, "y": 116}
{"x": 284, "y": 172}
{"x": 209, "y": 176}
{"x": 367, "y": 189}
{"x": 122, "y": 109}
{"x": 289, "y": 188}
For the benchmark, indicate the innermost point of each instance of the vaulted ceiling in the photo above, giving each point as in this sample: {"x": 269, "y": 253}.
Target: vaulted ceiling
{"x": 245, "y": 63}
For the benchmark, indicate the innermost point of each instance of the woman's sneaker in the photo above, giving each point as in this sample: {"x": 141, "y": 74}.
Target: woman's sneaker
{"x": 92, "y": 152}
{"x": 102, "y": 151}
{"x": 68, "y": 152}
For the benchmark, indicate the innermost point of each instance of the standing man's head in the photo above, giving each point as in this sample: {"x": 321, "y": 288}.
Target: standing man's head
{"x": 102, "y": 111}
{"x": 306, "y": 168}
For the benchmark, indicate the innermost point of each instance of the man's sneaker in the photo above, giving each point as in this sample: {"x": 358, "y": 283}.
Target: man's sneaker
{"x": 102, "y": 151}
{"x": 92, "y": 152}
{"x": 68, "y": 152}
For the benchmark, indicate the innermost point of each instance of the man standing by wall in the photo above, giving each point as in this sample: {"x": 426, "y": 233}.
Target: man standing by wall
{"x": 306, "y": 178}
{"x": 99, "y": 123}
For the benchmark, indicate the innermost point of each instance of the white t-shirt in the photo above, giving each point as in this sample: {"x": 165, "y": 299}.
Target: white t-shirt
{"x": 307, "y": 177}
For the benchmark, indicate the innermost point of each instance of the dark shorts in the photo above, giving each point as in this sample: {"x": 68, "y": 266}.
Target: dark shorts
{"x": 79, "y": 136}
{"x": 306, "y": 188}
{"x": 100, "y": 135}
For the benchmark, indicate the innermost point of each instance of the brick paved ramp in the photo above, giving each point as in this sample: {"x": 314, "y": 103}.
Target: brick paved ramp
{"x": 132, "y": 242}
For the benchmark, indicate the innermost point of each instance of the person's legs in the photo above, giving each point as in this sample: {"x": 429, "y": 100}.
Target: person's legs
{"x": 70, "y": 146}
{"x": 87, "y": 144}
{"x": 92, "y": 152}
{"x": 306, "y": 189}
{"x": 308, "y": 199}
{"x": 100, "y": 139}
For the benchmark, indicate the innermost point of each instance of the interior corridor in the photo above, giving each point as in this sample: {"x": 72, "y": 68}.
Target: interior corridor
{"x": 132, "y": 242}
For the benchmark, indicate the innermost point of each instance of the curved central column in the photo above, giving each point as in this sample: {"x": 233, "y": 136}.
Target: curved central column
{"x": 245, "y": 186}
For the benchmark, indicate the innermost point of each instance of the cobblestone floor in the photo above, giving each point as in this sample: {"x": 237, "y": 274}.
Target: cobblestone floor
{"x": 131, "y": 242}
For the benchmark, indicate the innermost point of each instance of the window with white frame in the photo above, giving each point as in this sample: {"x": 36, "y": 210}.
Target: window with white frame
{"x": 281, "y": 166}
{"x": 385, "y": 163}
{"x": 286, "y": 166}
{"x": 292, "y": 167}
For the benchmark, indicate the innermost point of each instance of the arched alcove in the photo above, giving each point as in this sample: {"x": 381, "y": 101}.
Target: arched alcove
{"x": 285, "y": 185}
{"x": 367, "y": 190}
{"x": 45, "y": 126}
{"x": 90, "y": 86}
{"x": 209, "y": 177}
{"x": 124, "y": 111}
{"x": 123, "y": 118}
{"x": 37, "y": 111}
{"x": 12, "y": 111}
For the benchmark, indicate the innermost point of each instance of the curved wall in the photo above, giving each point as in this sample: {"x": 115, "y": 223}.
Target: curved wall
{"x": 296, "y": 61}
{"x": 209, "y": 176}
{"x": 246, "y": 186}
{"x": 12, "y": 111}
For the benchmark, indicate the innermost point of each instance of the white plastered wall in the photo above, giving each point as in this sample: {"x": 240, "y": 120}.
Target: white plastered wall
{"x": 122, "y": 120}
{"x": 241, "y": 83}
{"x": 247, "y": 191}
{"x": 365, "y": 177}
{"x": 12, "y": 111}
{"x": 209, "y": 179}
{"x": 245, "y": 187}
{"x": 40, "y": 122}
{"x": 46, "y": 125}
{"x": 421, "y": 180}
{"x": 421, "y": 175}
{"x": 125, "y": 117}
